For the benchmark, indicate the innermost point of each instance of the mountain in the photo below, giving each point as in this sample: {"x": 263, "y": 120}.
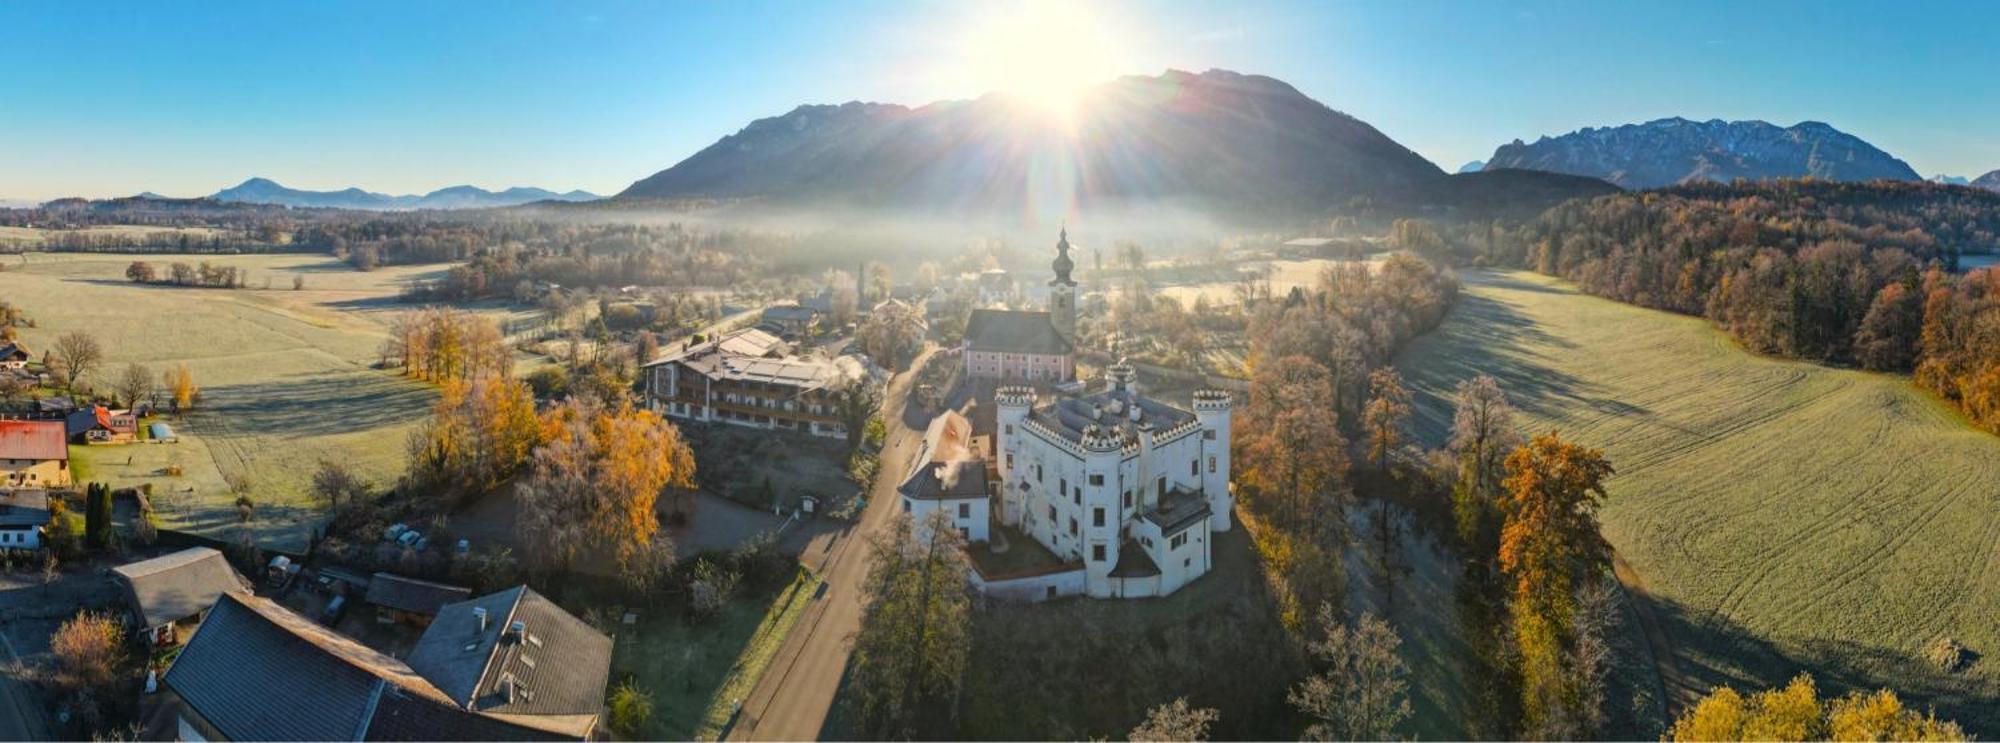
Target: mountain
{"x": 267, "y": 191}
{"x": 1669, "y": 151}
{"x": 1950, "y": 180}
{"x": 1218, "y": 141}
{"x": 1472, "y": 167}
{"x": 1990, "y": 181}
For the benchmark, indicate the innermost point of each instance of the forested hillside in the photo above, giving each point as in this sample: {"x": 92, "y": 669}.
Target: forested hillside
{"x": 1842, "y": 273}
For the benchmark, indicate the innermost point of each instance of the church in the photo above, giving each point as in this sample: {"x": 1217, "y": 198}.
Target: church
{"x": 1028, "y": 346}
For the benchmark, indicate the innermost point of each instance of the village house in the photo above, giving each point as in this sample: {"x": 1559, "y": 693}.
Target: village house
{"x": 1130, "y": 486}
{"x": 96, "y": 424}
{"x": 949, "y": 473}
{"x": 410, "y": 601}
{"x": 175, "y": 591}
{"x": 23, "y": 515}
{"x": 33, "y": 455}
{"x": 746, "y": 378}
{"x": 506, "y": 666}
{"x": 789, "y": 319}
{"x": 1027, "y": 345}
{"x": 13, "y": 356}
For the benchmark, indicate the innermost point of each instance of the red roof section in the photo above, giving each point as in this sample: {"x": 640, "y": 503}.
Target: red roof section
{"x": 32, "y": 440}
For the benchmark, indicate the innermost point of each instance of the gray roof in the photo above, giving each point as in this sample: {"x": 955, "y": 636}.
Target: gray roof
{"x": 560, "y": 667}
{"x": 1014, "y": 331}
{"x": 1111, "y": 410}
{"x": 958, "y": 480}
{"x": 1179, "y": 510}
{"x": 1133, "y": 562}
{"x": 173, "y": 587}
{"x": 24, "y": 508}
{"x": 409, "y": 594}
{"x": 257, "y": 671}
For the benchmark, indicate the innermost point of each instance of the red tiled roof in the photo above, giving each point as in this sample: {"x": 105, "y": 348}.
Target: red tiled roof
{"x": 32, "y": 440}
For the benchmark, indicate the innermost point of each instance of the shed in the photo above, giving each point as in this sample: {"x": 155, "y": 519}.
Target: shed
{"x": 408, "y": 599}
{"x": 161, "y": 432}
{"x": 177, "y": 587}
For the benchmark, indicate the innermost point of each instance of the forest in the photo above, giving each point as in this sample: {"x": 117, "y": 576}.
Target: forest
{"x": 1840, "y": 273}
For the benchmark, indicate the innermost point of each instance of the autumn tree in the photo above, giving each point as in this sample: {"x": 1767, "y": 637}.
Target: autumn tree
{"x": 595, "y": 481}
{"x": 479, "y": 434}
{"x": 180, "y": 384}
{"x": 336, "y": 488}
{"x": 88, "y": 649}
{"x": 1361, "y": 692}
{"x": 140, "y": 272}
{"x": 891, "y": 335}
{"x": 855, "y": 401}
{"x": 134, "y": 383}
{"x": 1388, "y": 408}
{"x": 880, "y": 282}
{"x": 1796, "y": 713}
{"x": 441, "y": 343}
{"x": 1550, "y": 547}
{"x": 915, "y": 636}
{"x": 1889, "y": 332}
{"x": 1293, "y": 454}
{"x": 1482, "y": 435}
{"x": 76, "y": 355}
{"x": 1175, "y": 721}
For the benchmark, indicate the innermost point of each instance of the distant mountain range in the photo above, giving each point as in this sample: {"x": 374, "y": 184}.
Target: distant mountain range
{"x": 1472, "y": 167}
{"x": 1219, "y": 141}
{"x": 1950, "y": 180}
{"x": 1990, "y": 181}
{"x": 1669, "y": 151}
{"x": 267, "y": 191}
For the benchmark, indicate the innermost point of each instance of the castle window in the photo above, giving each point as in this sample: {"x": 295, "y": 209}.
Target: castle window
{"x": 1178, "y": 541}
{"x": 1194, "y": 467}
{"x": 1211, "y": 465}
{"x": 1128, "y": 499}
{"x": 1208, "y": 434}
{"x": 1038, "y": 472}
{"x": 1077, "y": 496}
{"x": 1062, "y": 484}
{"x": 1161, "y": 486}
{"x": 965, "y": 510}
{"x": 1096, "y": 480}
{"x": 1010, "y": 429}
{"x": 1052, "y": 513}
{"x": 1096, "y": 517}
{"x": 1097, "y": 553}
{"x": 1072, "y": 526}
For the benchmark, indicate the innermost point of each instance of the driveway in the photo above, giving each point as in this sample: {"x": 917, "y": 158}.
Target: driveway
{"x": 792, "y": 700}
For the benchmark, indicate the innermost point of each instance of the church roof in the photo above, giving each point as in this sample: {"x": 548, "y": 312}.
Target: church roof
{"x": 1014, "y": 331}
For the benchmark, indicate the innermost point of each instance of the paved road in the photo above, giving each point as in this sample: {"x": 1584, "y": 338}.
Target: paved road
{"x": 20, "y": 713}
{"x": 792, "y": 700}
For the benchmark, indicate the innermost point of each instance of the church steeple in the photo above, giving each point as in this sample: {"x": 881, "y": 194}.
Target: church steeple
{"x": 1063, "y": 265}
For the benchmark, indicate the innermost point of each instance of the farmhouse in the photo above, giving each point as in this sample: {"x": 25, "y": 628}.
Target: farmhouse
{"x": 1027, "y": 345}
{"x": 258, "y": 671}
{"x": 97, "y": 424}
{"x": 408, "y": 600}
{"x": 178, "y": 589}
{"x": 949, "y": 474}
{"x": 23, "y": 514}
{"x": 33, "y": 455}
{"x": 13, "y": 356}
{"x": 746, "y": 379}
{"x": 1131, "y": 486}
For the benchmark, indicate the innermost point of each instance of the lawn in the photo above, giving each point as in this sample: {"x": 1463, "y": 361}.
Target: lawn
{"x": 285, "y": 375}
{"x": 1086, "y": 668}
{"x": 1785, "y": 516}
{"x": 695, "y": 671}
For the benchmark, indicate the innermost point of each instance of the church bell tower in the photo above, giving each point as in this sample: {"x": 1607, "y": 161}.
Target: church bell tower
{"x": 1062, "y": 290}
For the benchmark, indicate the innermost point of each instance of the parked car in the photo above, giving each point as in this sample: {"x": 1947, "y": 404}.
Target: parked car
{"x": 334, "y": 610}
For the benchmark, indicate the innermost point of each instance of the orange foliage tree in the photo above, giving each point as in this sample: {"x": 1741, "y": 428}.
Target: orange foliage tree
{"x": 1550, "y": 547}
{"x": 595, "y": 481}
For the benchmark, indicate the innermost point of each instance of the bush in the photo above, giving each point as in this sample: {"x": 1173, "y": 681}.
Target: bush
{"x": 710, "y": 587}
{"x": 631, "y": 709}
{"x": 1947, "y": 654}
{"x": 88, "y": 650}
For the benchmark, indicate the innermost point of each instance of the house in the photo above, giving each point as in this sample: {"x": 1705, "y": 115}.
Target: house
{"x": 949, "y": 474}
{"x": 400, "y": 599}
{"x": 177, "y": 589}
{"x": 258, "y": 671}
{"x": 97, "y": 424}
{"x": 744, "y": 378}
{"x": 1027, "y": 345}
{"x": 1130, "y": 486}
{"x": 790, "y": 319}
{"x": 23, "y": 514}
{"x": 529, "y": 662}
{"x": 33, "y": 455}
{"x": 13, "y": 356}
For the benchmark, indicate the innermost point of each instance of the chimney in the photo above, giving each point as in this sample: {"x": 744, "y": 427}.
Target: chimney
{"x": 479, "y": 613}
{"x": 517, "y": 630}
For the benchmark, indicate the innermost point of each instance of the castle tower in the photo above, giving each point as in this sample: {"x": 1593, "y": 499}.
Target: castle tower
{"x": 1101, "y": 447}
{"x": 1211, "y": 407}
{"x": 1010, "y": 407}
{"x": 1062, "y": 290}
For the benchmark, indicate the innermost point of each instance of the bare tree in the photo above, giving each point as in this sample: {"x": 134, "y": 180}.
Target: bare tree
{"x": 1175, "y": 721}
{"x": 76, "y": 355}
{"x": 136, "y": 382}
{"x": 1361, "y": 695}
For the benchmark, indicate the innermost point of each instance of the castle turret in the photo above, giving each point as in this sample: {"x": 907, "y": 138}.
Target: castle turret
{"x": 1062, "y": 290}
{"x": 1121, "y": 377}
{"x": 1212, "y": 407}
{"x": 1010, "y": 410}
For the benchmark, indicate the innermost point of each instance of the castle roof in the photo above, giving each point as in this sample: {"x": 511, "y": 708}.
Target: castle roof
{"x": 1110, "y": 411}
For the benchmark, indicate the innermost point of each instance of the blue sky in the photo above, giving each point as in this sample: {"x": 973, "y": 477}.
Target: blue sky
{"x": 106, "y": 99}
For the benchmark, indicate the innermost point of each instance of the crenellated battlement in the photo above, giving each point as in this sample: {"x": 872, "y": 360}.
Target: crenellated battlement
{"x": 1014, "y": 397}
{"x": 1213, "y": 401}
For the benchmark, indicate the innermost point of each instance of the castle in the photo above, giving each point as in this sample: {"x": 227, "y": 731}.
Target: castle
{"x": 1129, "y": 486}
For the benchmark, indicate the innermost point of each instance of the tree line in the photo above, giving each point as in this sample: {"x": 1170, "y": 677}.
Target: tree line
{"x": 1840, "y": 273}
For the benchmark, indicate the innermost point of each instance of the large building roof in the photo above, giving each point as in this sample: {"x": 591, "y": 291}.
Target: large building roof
{"x": 412, "y": 595}
{"x": 948, "y": 465}
{"x": 257, "y": 671}
{"x": 553, "y": 676}
{"x": 1014, "y": 331}
{"x": 173, "y": 587}
{"x": 33, "y": 440}
{"x": 24, "y": 508}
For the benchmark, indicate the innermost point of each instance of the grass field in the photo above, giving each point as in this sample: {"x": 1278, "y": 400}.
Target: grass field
{"x": 31, "y": 237}
{"x": 1785, "y": 516}
{"x": 695, "y": 672}
{"x": 284, "y": 375}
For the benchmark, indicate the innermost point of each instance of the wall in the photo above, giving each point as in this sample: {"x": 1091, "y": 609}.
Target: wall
{"x": 1030, "y": 588}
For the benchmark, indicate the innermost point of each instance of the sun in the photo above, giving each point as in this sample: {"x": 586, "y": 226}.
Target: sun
{"x": 1044, "y": 54}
